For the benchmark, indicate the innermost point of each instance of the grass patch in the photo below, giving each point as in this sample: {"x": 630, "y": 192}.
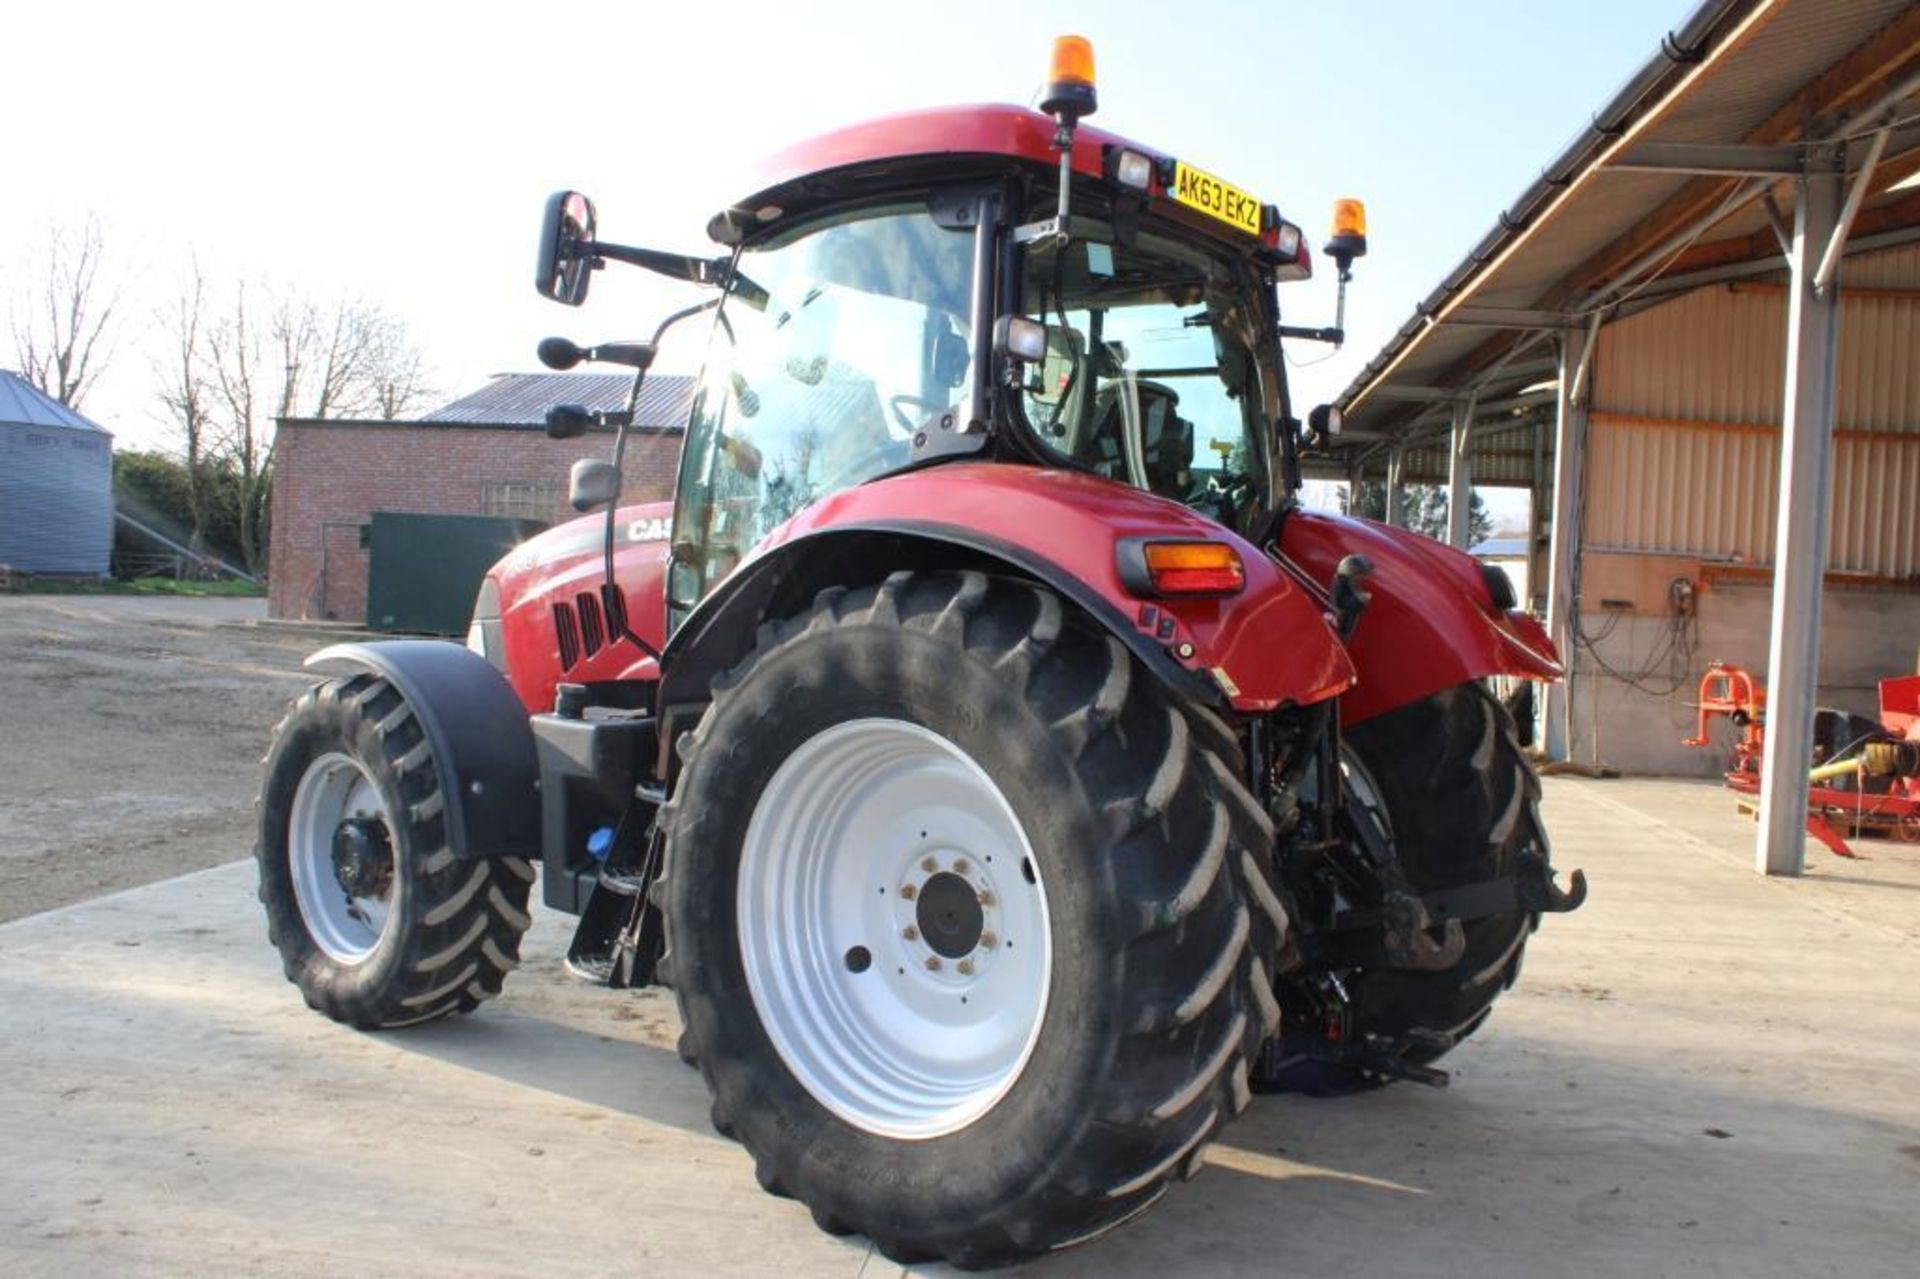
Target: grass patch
{"x": 146, "y": 586}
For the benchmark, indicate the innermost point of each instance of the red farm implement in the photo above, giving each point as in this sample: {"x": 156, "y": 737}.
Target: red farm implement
{"x": 1864, "y": 776}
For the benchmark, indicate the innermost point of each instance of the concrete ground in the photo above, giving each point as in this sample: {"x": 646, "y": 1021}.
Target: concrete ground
{"x": 1702, "y": 1072}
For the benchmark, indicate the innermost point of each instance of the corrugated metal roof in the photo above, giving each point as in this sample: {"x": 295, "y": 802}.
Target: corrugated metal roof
{"x": 24, "y": 404}
{"x": 522, "y": 399}
{"x": 1730, "y": 74}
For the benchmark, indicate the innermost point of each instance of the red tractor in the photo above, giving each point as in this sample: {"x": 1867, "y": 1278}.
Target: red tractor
{"x": 1005, "y": 773}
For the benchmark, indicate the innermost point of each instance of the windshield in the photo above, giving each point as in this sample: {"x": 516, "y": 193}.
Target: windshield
{"x": 1150, "y": 377}
{"x": 839, "y": 342}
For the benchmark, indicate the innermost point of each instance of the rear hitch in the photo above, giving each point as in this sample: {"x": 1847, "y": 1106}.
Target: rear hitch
{"x": 1530, "y": 888}
{"x": 1374, "y": 1057}
{"x": 1407, "y": 934}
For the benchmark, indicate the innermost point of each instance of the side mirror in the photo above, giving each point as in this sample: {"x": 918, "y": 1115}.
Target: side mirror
{"x": 592, "y": 483}
{"x": 1323, "y": 424}
{"x": 565, "y": 266}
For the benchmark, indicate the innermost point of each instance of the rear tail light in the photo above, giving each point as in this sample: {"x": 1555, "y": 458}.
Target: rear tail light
{"x": 1161, "y": 569}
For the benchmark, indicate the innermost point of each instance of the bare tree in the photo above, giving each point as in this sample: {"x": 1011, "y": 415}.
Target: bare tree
{"x": 242, "y": 352}
{"x": 182, "y": 378}
{"x": 63, "y": 322}
{"x": 398, "y": 379}
{"x": 272, "y": 353}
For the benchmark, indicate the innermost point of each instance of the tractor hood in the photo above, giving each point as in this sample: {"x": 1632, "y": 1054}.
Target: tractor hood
{"x": 553, "y": 604}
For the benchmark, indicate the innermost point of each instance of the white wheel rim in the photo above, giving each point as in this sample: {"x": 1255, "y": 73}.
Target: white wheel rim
{"x": 334, "y": 789}
{"x": 920, "y": 1042}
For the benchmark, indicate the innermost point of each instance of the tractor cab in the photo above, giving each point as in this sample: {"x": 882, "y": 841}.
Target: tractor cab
{"x": 992, "y": 283}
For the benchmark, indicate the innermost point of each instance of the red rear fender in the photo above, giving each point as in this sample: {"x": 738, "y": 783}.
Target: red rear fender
{"x": 1433, "y": 622}
{"x": 1267, "y": 646}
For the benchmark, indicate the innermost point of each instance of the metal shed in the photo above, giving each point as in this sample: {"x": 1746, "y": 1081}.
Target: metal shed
{"x": 56, "y": 485}
{"x": 1694, "y": 337}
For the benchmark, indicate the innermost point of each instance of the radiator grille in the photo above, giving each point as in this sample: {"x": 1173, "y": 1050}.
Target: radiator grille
{"x": 567, "y": 633}
{"x": 592, "y": 633}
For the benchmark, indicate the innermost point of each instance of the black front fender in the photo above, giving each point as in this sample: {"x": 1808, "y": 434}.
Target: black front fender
{"x": 478, "y": 731}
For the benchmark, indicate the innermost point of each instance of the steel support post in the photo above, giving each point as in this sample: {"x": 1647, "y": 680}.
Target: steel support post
{"x": 1563, "y": 554}
{"x": 1396, "y": 486}
{"x": 1800, "y": 536}
{"x": 1460, "y": 475}
{"x": 1536, "y": 520}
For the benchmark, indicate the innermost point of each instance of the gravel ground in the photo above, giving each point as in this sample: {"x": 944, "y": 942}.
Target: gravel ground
{"x": 131, "y": 732}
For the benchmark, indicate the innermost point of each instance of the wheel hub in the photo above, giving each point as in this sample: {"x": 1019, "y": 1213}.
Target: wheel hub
{"x": 363, "y": 857}
{"x": 340, "y": 855}
{"x": 949, "y": 915}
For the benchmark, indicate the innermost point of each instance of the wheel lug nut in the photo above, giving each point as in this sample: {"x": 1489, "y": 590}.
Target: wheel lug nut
{"x": 986, "y": 899}
{"x": 933, "y": 963}
{"x": 910, "y": 933}
{"x": 988, "y": 941}
{"x": 960, "y": 866}
{"x": 929, "y": 865}
{"x": 908, "y": 892}
{"x": 966, "y": 968}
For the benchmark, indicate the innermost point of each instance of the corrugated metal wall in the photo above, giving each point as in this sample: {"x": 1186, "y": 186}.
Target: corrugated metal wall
{"x": 1501, "y": 457}
{"x": 56, "y": 499}
{"x": 1684, "y": 442}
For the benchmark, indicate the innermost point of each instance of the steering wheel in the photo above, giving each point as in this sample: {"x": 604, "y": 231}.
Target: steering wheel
{"x": 895, "y": 403}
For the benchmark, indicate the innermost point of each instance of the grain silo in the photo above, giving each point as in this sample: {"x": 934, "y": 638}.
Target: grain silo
{"x": 56, "y": 485}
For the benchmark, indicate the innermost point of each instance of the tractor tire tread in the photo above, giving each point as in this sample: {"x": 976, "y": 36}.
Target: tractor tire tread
{"x": 1197, "y": 964}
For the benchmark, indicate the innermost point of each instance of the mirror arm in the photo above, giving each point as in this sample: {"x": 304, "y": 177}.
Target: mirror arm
{"x": 678, "y": 266}
{"x": 1307, "y": 333}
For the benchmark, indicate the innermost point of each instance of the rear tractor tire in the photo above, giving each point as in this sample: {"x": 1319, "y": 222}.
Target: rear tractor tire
{"x": 377, "y": 921}
{"x": 968, "y": 920}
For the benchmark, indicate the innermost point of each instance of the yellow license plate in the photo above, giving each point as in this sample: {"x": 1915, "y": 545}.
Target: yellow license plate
{"x": 1198, "y": 189}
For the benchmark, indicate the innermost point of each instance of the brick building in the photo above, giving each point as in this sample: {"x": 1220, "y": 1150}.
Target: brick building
{"x": 484, "y": 454}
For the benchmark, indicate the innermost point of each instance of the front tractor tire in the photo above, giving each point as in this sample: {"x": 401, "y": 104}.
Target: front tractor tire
{"x": 377, "y": 921}
{"x": 969, "y": 921}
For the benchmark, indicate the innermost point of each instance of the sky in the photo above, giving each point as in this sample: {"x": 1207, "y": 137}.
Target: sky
{"x": 400, "y": 152}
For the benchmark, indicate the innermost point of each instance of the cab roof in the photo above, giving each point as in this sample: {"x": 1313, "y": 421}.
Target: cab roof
{"x": 803, "y": 172}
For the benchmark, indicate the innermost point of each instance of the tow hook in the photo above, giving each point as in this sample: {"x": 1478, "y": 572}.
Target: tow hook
{"x": 1537, "y": 891}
